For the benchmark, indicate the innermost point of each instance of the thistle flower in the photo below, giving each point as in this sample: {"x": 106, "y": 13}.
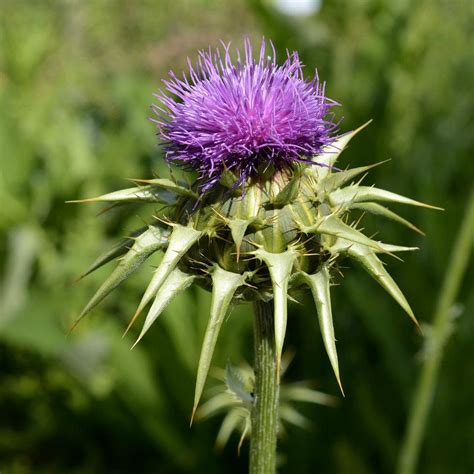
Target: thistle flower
{"x": 244, "y": 117}
{"x": 262, "y": 128}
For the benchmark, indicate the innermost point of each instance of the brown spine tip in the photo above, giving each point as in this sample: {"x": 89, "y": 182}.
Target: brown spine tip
{"x": 192, "y": 416}
{"x": 130, "y": 324}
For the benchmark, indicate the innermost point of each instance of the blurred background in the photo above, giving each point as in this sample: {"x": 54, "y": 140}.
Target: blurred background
{"x": 76, "y": 82}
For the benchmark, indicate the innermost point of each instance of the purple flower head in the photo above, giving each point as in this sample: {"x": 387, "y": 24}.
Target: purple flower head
{"x": 243, "y": 116}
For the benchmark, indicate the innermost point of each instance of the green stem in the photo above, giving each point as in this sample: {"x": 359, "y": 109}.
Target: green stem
{"x": 441, "y": 330}
{"x": 267, "y": 383}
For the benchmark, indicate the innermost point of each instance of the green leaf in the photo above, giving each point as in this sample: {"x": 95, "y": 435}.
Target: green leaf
{"x": 280, "y": 266}
{"x": 145, "y": 245}
{"x": 379, "y": 210}
{"x": 228, "y": 179}
{"x": 231, "y": 423}
{"x": 290, "y": 415}
{"x": 216, "y": 404}
{"x": 289, "y": 192}
{"x": 356, "y": 193}
{"x": 319, "y": 284}
{"x": 138, "y": 194}
{"x": 342, "y": 245}
{"x": 246, "y": 429}
{"x": 181, "y": 240}
{"x": 121, "y": 248}
{"x": 238, "y": 227}
{"x": 376, "y": 269}
{"x": 331, "y": 152}
{"x": 333, "y": 226}
{"x": 169, "y": 186}
{"x": 338, "y": 178}
{"x": 389, "y": 248}
{"x": 299, "y": 393}
{"x": 236, "y": 384}
{"x": 224, "y": 285}
{"x": 176, "y": 282}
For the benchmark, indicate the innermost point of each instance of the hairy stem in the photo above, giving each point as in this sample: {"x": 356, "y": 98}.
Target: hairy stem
{"x": 441, "y": 330}
{"x": 263, "y": 442}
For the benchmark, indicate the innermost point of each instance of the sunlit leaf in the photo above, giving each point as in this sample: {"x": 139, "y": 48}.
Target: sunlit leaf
{"x": 280, "y": 266}
{"x": 299, "y": 393}
{"x": 330, "y": 153}
{"x": 236, "y": 384}
{"x": 379, "y": 210}
{"x": 353, "y": 194}
{"x": 144, "y": 245}
{"x": 319, "y": 283}
{"x": 147, "y": 193}
{"x": 338, "y": 178}
{"x": 224, "y": 285}
{"x": 176, "y": 282}
{"x": 333, "y": 226}
{"x": 232, "y": 421}
{"x": 169, "y": 185}
{"x": 290, "y": 415}
{"x": 376, "y": 269}
{"x": 181, "y": 240}
{"x": 122, "y": 248}
{"x": 342, "y": 245}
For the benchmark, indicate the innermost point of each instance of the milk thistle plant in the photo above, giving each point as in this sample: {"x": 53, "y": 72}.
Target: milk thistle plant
{"x": 268, "y": 216}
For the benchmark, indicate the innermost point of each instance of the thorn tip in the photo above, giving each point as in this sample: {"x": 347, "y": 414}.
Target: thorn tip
{"x": 192, "y": 416}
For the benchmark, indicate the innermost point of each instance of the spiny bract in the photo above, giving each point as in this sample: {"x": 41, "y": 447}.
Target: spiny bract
{"x": 284, "y": 234}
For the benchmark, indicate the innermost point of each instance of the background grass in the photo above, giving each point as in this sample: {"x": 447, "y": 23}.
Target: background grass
{"x": 76, "y": 81}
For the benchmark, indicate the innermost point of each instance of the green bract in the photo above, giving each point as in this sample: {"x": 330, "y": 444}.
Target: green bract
{"x": 278, "y": 235}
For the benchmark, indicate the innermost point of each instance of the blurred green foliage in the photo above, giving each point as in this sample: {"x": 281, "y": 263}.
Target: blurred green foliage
{"x": 76, "y": 79}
